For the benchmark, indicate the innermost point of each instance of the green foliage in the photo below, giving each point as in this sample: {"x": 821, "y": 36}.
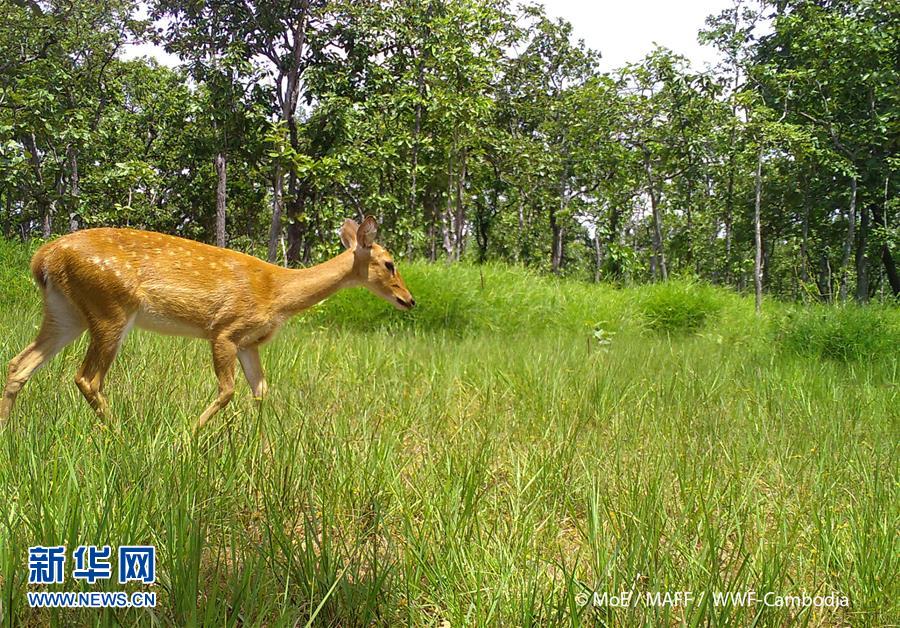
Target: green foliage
{"x": 464, "y": 300}
{"x": 15, "y": 281}
{"x": 473, "y": 130}
{"x": 847, "y": 333}
{"x": 678, "y": 306}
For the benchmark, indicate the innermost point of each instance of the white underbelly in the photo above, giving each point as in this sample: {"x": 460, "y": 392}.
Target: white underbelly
{"x": 161, "y": 324}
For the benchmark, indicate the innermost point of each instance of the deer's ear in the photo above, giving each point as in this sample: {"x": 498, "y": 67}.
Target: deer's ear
{"x": 365, "y": 235}
{"x": 348, "y": 233}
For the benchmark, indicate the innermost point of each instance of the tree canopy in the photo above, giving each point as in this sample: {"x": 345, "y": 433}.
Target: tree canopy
{"x": 473, "y": 129}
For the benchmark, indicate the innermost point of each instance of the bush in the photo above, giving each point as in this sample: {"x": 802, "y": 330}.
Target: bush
{"x": 462, "y": 299}
{"x": 15, "y": 278}
{"x": 678, "y": 306}
{"x": 842, "y": 333}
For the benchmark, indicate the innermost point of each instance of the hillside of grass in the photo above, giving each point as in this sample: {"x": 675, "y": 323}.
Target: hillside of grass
{"x": 464, "y": 300}
{"x": 512, "y": 444}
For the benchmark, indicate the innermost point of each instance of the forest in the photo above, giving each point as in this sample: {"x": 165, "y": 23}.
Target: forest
{"x": 474, "y": 130}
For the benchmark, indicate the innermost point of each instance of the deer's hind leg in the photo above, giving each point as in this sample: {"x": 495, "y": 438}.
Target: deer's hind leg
{"x": 107, "y": 335}
{"x": 252, "y": 367}
{"x": 61, "y": 325}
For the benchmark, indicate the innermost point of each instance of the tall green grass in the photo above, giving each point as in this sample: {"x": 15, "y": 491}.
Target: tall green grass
{"x": 679, "y": 306}
{"x": 482, "y": 460}
{"x": 846, "y": 333}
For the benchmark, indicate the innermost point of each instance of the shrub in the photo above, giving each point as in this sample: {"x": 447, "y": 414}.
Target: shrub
{"x": 841, "y": 333}
{"x": 462, "y": 299}
{"x": 15, "y": 278}
{"x": 678, "y": 306}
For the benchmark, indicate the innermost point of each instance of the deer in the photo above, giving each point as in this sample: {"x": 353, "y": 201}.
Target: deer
{"x": 108, "y": 280}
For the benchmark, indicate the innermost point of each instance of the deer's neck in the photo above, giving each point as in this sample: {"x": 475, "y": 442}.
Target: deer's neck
{"x": 300, "y": 289}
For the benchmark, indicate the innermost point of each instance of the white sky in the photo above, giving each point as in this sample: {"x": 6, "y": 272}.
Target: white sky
{"x": 622, "y": 30}
{"x": 626, "y": 30}
{"x": 133, "y": 51}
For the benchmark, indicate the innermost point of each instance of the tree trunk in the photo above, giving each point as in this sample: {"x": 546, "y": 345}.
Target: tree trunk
{"x": 732, "y": 157}
{"x": 297, "y": 237}
{"x": 482, "y": 231}
{"x": 848, "y": 241}
{"x": 826, "y": 279}
{"x": 74, "y": 189}
{"x": 220, "y": 199}
{"x": 658, "y": 251}
{"x": 485, "y": 212}
{"x": 557, "y": 253}
{"x": 292, "y": 211}
{"x": 890, "y": 268}
{"x": 688, "y": 211}
{"x": 862, "y": 260}
{"x": 289, "y": 102}
{"x": 556, "y": 229}
{"x": 40, "y": 194}
{"x": 47, "y": 220}
{"x": 431, "y": 212}
{"x": 598, "y": 256}
{"x": 417, "y": 129}
{"x": 310, "y": 228}
{"x": 47, "y": 230}
{"x": 556, "y": 232}
{"x": 460, "y": 219}
{"x": 804, "y": 242}
{"x": 823, "y": 280}
{"x": 757, "y": 231}
{"x": 520, "y": 250}
{"x": 614, "y": 268}
{"x": 447, "y": 220}
{"x": 729, "y": 208}
{"x": 294, "y": 244}
{"x": 275, "y": 229}
{"x": 879, "y": 214}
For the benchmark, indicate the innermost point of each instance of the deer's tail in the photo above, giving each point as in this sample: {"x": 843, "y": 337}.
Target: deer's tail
{"x": 38, "y": 265}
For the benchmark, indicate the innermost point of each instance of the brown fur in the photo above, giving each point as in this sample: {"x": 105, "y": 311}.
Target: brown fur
{"x": 108, "y": 280}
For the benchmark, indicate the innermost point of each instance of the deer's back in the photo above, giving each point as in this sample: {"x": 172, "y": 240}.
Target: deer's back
{"x": 169, "y": 284}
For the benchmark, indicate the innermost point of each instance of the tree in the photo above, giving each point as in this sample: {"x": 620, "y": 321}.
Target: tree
{"x": 836, "y": 72}
{"x": 540, "y": 89}
{"x": 54, "y": 89}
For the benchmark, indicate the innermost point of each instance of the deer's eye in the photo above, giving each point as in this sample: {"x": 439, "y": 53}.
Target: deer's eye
{"x": 389, "y": 266}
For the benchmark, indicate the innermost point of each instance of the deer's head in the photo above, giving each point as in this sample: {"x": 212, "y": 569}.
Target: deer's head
{"x": 373, "y": 265}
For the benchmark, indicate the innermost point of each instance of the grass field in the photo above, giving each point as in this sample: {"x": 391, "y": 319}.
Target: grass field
{"x": 487, "y": 459}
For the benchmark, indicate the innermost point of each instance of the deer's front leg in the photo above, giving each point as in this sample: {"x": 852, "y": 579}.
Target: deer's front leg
{"x": 224, "y": 354}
